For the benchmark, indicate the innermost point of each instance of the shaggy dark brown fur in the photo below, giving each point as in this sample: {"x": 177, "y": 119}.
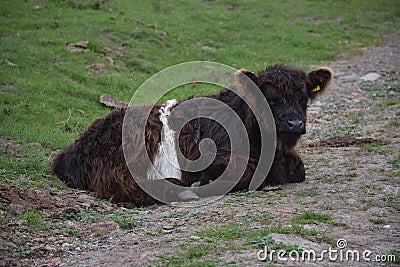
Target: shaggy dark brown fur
{"x": 96, "y": 161}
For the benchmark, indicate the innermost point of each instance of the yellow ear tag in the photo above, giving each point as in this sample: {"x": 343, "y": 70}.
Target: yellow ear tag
{"x": 316, "y": 89}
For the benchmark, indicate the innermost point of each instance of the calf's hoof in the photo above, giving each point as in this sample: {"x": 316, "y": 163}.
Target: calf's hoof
{"x": 299, "y": 173}
{"x": 188, "y": 195}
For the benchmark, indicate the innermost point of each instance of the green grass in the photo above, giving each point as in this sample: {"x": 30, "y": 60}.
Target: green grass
{"x": 351, "y": 175}
{"x": 216, "y": 240}
{"x": 259, "y": 217}
{"x": 234, "y": 232}
{"x": 396, "y": 254}
{"x": 3, "y": 221}
{"x": 287, "y": 230}
{"x": 241, "y": 198}
{"x": 383, "y": 89}
{"x": 260, "y": 241}
{"x": 126, "y": 219}
{"x": 198, "y": 250}
{"x": 394, "y": 121}
{"x": 344, "y": 130}
{"x": 370, "y": 189}
{"x": 49, "y": 95}
{"x": 392, "y": 201}
{"x": 193, "y": 255}
{"x": 27, "y": 165}
{"x": 376, "y": 220}
{"x": 267, "y": 242}
{"x": 65, "y": 229}
{"x": 34, "y": 220}
{"x": 377, "y": 148}
{"x": 20, "y": 251}
{"x": 182, "y": 260}
{"x": 38, "y": 221}
{"x": 177, "y": 214}
{"x": 252, "y": 194}
{"x": 227, "y": 233}
{"x": 395, "y": 162}
{"x": 310, "y": 192}
{"x": 310, "y": 217}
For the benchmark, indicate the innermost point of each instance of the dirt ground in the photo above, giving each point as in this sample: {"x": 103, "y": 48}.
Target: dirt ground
{"x": 354, "y": 178}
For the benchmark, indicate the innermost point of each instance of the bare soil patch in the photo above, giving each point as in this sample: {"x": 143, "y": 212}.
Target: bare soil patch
{"x": 349, "y": 141}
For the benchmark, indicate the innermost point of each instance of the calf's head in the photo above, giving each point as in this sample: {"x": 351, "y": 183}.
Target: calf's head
{"x": 288, "y": 91}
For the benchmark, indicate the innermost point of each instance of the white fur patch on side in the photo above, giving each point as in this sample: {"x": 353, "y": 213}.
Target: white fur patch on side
{"x": 166, "y": 163}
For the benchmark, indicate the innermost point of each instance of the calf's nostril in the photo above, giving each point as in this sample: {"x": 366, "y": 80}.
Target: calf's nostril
{"x": 295, "y": 125}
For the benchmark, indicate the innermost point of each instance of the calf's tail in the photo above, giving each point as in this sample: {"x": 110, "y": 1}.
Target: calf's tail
{"x": 69, "y": 168}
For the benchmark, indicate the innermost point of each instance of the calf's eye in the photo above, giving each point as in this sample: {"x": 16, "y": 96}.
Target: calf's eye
{"x": 275, "y": 102}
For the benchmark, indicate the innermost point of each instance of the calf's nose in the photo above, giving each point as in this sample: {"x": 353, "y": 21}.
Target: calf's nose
{"x": 296, "y": 126}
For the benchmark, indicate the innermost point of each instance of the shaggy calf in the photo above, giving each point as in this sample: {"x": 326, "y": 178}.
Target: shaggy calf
{"x": 96, "y": 160}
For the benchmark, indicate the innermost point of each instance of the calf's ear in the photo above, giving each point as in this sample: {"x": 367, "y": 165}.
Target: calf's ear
{"x": 319, "y": 81}
{"x": 242, "y": 76}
